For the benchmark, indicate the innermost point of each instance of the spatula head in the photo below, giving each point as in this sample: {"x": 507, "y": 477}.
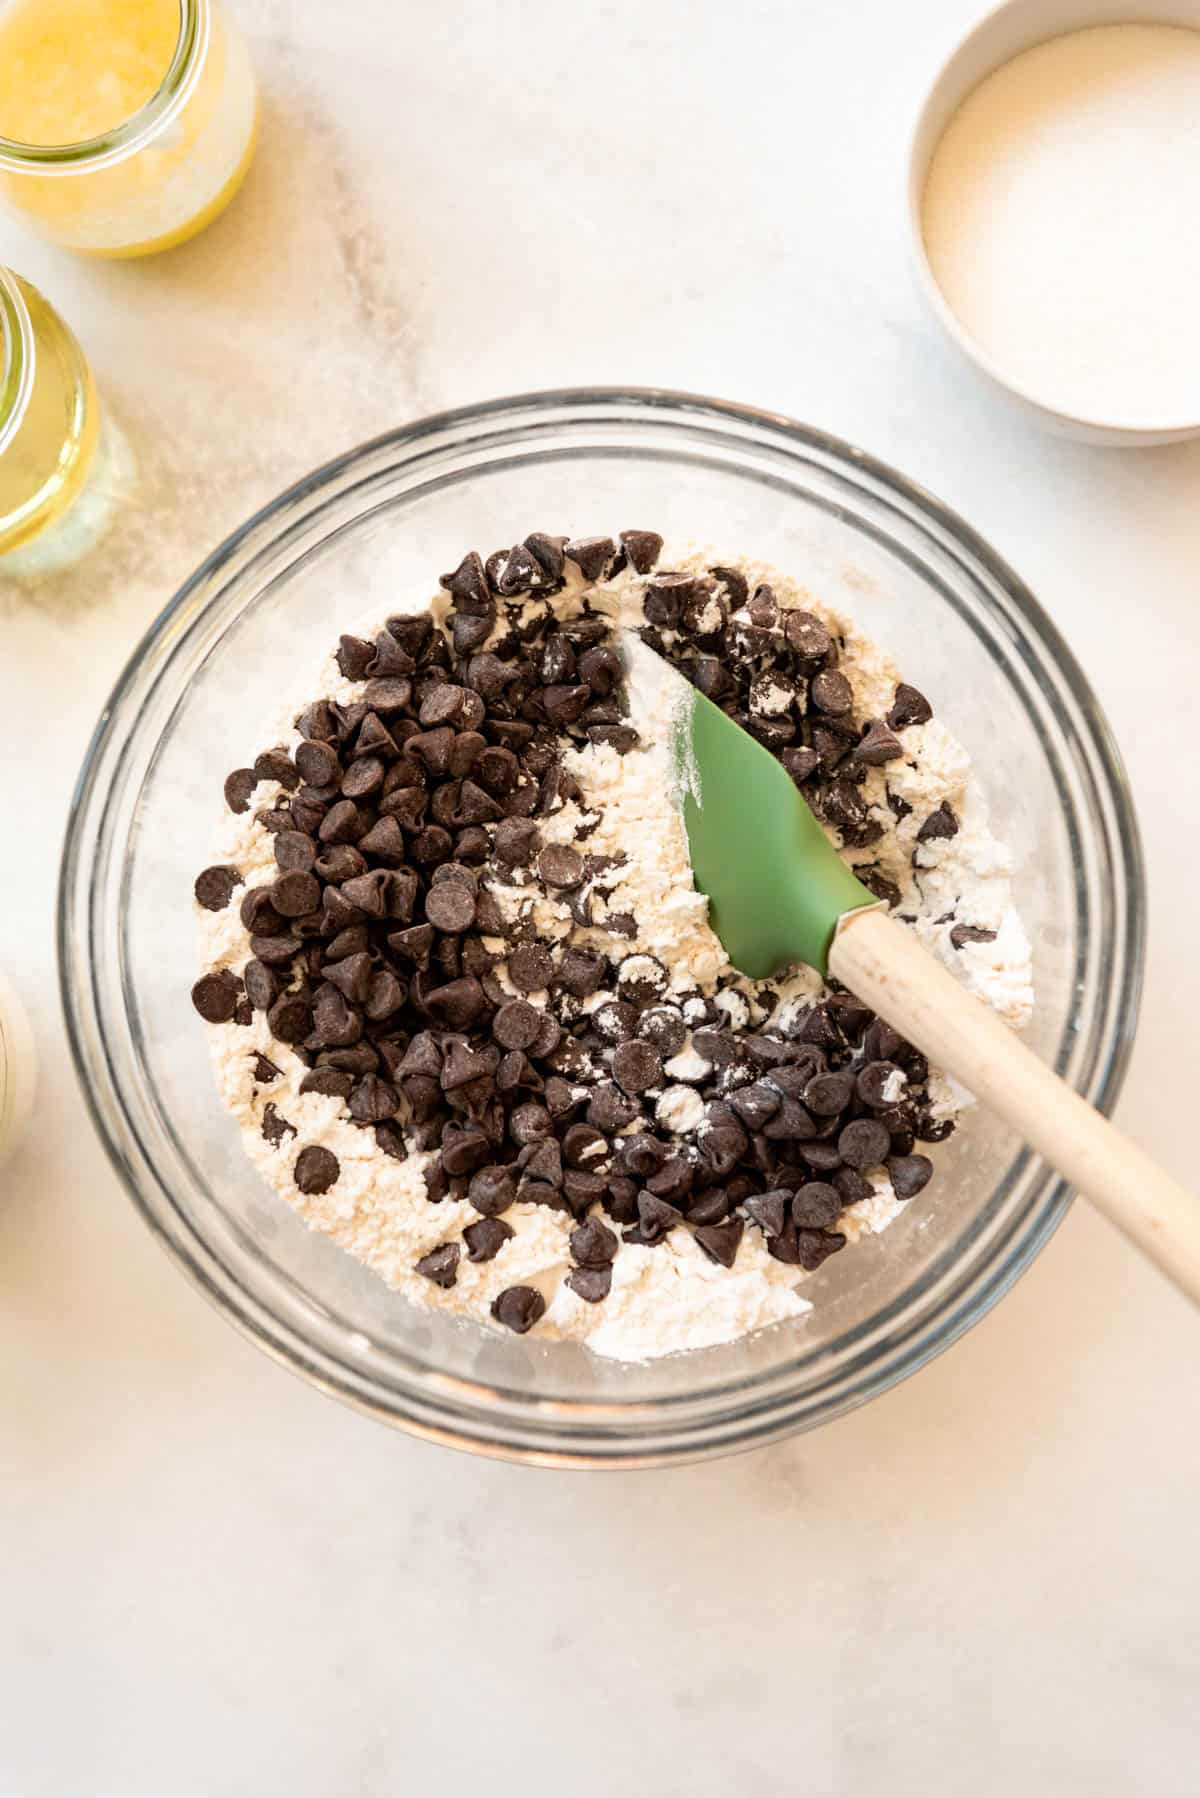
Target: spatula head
{"x": 776, "y": 886}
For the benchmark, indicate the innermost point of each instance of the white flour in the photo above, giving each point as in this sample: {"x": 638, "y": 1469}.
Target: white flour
{"x": 668, "y": 1297}
{"x": 1062, "y": 221}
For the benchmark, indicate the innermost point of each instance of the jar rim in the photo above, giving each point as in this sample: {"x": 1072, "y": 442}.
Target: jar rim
{"x": 152, "y": 117}
{"x": 16, "y": 357}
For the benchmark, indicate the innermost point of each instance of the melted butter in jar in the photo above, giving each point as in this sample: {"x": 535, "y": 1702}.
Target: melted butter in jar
{"x": 126, "y": 126}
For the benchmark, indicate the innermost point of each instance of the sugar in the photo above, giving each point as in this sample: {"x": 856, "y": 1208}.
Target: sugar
{"x": 1061, "y": 218}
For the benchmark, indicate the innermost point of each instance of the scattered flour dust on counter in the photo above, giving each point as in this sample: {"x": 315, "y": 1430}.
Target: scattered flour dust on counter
{"x": 924, "y": 842}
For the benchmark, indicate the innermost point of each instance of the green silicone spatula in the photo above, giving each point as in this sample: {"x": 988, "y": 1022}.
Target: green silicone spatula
{"x": 779, "y": 892}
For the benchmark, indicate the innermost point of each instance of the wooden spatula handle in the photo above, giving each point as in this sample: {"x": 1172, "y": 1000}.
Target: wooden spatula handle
{"x": 886, "y": 966}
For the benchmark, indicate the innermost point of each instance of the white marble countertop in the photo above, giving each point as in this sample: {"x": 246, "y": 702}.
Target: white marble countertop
{"x": 215, "y": 1581}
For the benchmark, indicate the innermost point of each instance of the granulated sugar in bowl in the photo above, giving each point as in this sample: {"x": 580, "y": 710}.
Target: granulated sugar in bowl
{"x": 1056, "y": 208}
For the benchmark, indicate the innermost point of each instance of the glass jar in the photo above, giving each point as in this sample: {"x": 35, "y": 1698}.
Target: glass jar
{"x": 63, "y": 466}
{"x": 17, "y": 1070}
{"x": 157, "y": 139}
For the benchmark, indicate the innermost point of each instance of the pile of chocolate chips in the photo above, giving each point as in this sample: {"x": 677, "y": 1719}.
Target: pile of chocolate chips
{"x": 396, "y": 815}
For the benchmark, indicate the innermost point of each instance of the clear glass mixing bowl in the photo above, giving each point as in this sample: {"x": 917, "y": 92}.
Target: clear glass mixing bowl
{"x": 379, "y": 523}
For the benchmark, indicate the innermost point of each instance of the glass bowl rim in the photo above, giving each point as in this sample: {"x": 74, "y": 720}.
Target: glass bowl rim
{"x": 569, "y": 1441}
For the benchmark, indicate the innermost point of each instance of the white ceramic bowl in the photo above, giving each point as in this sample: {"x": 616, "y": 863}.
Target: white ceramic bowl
{"x": 994, "y": 40}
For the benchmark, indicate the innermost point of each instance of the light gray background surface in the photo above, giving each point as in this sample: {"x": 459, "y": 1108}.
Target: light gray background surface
{"x": 215, "y": 1581}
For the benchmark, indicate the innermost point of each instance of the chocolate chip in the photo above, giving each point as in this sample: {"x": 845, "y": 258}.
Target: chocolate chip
{"x": 262, "y": 984}
{"x": 664, "y": 1027}
{"x": 643, "y": 549}
{"x": 264, "y": 1071}
{"x": 769, "y": 1210}
{"x": 585, "y": 1147}
{"x": 909, "y": 1174}
{"x": 940, "y": 823}
{"x": 258, "y": 914}
{"x": 276, "y": 764}
{"x": 970, "y": 933}
{"x": 593, "y": 1284}
{"x": 816, "y": 1246}
{"x": 864, "y": 1143}
{"x": 363, "y": 777}
{"x": 366, "y": 893}
{"x": 413, "y": 944}
{"x": 450, "y": 906}
{"x": 807, "y": 636}
{"x": 516, "y": 1024}
{"x": 342, "y": 823}
{"x": 351, "y": 976}
{"x": 591, "y": 555}
{"x": 492, "y": 1190}
{"x": 800, "y": 763}
{"x": 431, "y": 846}
{"x": 815, "y": 1204}
{"x": 615, "y": 1021}
{"x": 461, "y": 1064}
{"x": 878, "y": 745}
{"x": 276, "y": 951}
{"x": 831, "y": 692}
{"x": 851, "y": 1186}
{"x": 441, "y": 1265}
{"x": 385, "y": 697}
{"x": 275, "y": 1127}
{"x": 316, "y": 1170}
{"x": 711, "y": 1207}
{"x": 530, "y": 968}
{"x": 384, "y": 996}
{"x": 560, "y": 866}
{"x": 354, "y": 657}
{"x": 215, "y": 996}
{"x": 880, "y": 885}
{"x": 757, "y": 1104}
{"x": 238, "y": 787}
{"x": 827, "y": 1094}
{"x": 294, "y": 895}
{"x": 821, "y": 1157}
{"x": 593, "y": 1244}
{"x": 373, "y": 1099}
{"x": 465, "y": 1149}
{"x": 519, "y": 1308}
{"x": 520, "y": 571}
{"x": 541, "y": 1162}
{"x": 329, "y": 1082}
{"x": 390, "y": 1138}
{"x": 641, "y": 979}
{"x": 909, "y": 707}
{"x": 295, "y": 852}
{"x": 214, "y": 887}
{"x": 529, "y": 1123}
{"x": 317, "y": 763}
{"x": 637, "y": 1066}
{"x": 609, "y": 1110}
{"x": 336, "y": 1023}
{"x": 468, "y": 584}
{"x": 656, "y": 1218}
{"x": 720, "y": 1241}
{"x": 486, "y": 1238}
{"x": 290, "y": 1019}
{"x": 459, "y": 1003}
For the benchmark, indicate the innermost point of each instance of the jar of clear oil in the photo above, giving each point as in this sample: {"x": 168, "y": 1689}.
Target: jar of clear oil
{"x": 62, "y": 465}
